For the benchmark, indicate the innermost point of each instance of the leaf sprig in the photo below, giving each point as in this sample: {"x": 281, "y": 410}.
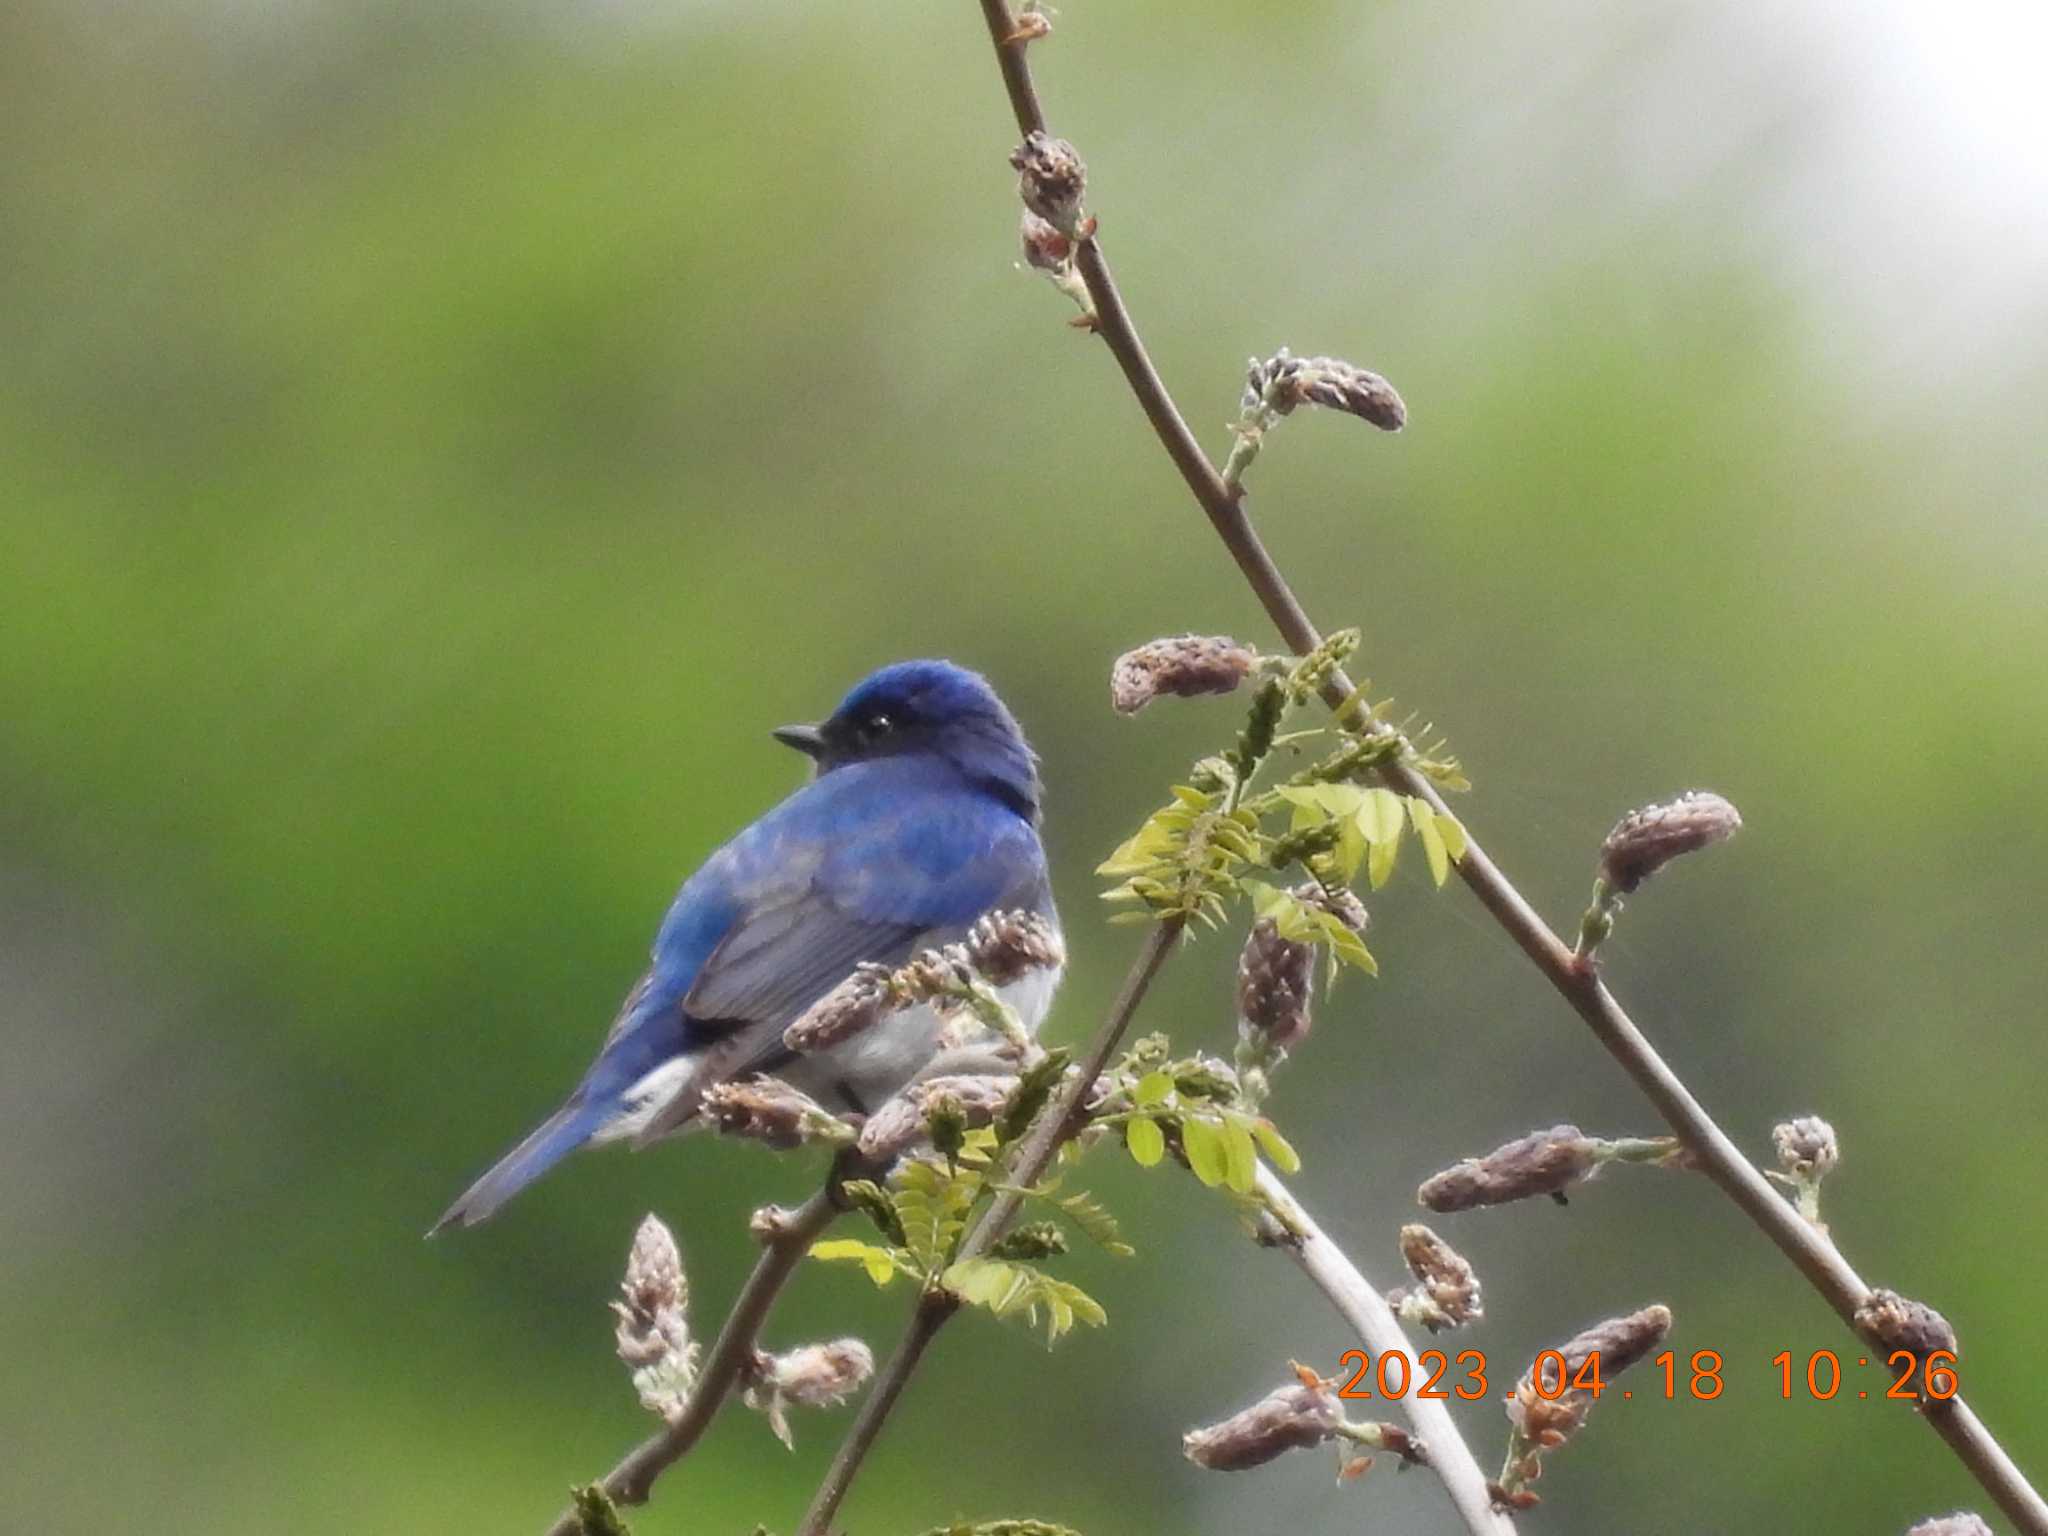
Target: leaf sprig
{"x": 1197, "y": 855}
{"x": 926, "y": 1207}
{"x": 1197, "y": 1105}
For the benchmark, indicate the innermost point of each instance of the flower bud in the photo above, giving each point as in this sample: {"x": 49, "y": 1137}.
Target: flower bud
{"x": 1541, "y": 1163}
{"x": 1206, "y": 1077}
{"x": 768, "y": 1110}
{"x": 1284, "y": 381}
{"x": 812, "y": 1376}
{"x": 1546, "y": 1421}
{"x": 1647, "y": 839}
{"x": 1001, "y": 947}
{"x": 1893, "y": 1322}
{"x": 653, "y": 1333}
{"x": 1033, "y": 21}
{"x": 857, "y": 1004}
{"x": 1051, "y": 179}
{"x": 1276, "y": 976}
{"x": 1338, "y": 386}
{"x": 771, "y": 1224}
{"x": 1004, "y": 947}
{"x": 1033, "y": 1240}
{"x": 901, "y": 1122}
{"x": 1183, "y": 665}
{"x": 1807, "y": 1148}
{"x": 1961, "y": 1523}
{"x": 1446, "y": 1293}
{"x": 1045, "y": 248}
{"x": 1296, "y": 1417}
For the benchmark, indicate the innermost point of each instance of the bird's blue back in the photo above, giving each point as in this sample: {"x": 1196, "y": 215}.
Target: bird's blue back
{"x": 865, "y": 863}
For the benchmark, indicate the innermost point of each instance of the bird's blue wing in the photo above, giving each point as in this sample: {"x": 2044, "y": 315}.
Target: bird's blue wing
{"x": 892, "y": 860}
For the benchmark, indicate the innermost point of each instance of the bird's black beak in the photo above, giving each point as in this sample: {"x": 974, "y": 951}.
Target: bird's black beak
{"x": 807, "y": 739}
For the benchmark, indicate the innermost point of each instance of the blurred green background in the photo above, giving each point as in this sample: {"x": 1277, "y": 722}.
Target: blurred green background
{"x": 435, "y": 446}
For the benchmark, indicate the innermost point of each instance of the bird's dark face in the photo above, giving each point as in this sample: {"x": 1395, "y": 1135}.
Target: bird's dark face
{"x": 926, "y": 707}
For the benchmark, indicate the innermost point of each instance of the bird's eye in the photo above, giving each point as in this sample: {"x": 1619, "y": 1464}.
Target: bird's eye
{"x": 880, "y": 725}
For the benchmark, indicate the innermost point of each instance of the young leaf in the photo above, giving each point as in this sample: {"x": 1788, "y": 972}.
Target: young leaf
{"x": 1240, "y": 1156}
{"x": 990, "y": 1283}
{"x": 1064, "y": 1302}
{"x": 1202, "y": 1140}
{"x": 1152, "y": 1088}
{"x": 1347, "y": 946}
{"x": 596, "y": 1513}
{"x": 875, "y": 1202}
{"x": 1146, "y": 1141}
{"x": 919, "y": 1210}
{"x": 1267, "y": 900}
{"x": 1423, "y": 815}
{"x": 1351, "y": 849}
{"x": 1453, "y": 830}
{"x": 1278, "y": 1149}
{"x": 1380, "y": 816}
{"x": 1317, "y": 803}
{"x": 1093, "y": 1218}
{"x": 1379, "y": 868}
{"x": 879, "y": 1262}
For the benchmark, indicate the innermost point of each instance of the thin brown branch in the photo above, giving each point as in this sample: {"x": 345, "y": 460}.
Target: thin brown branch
{"x": 1057, "y": 1123}
{"x": 1363, "y": 1306}
{"x": 783, "y": 1249}
{"x": 1063, "y": 1117}
{"x": 1811, "y": 1251}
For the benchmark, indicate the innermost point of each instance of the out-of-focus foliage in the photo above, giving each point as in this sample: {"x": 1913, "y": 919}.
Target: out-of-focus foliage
{"x": 436, "y": 444}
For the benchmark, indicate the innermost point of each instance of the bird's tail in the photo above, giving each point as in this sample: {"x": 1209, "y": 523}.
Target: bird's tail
{"x": 551, "y": 1141}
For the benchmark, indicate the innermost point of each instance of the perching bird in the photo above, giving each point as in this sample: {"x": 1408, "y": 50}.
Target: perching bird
{"x": 922, "y": 816}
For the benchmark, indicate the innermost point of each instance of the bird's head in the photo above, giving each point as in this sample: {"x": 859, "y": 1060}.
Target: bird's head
{"x": 930, "y": 707}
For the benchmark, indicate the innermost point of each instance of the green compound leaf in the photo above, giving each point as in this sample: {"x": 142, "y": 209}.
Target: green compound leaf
{"x": 993, "y": 1283}
{"x": 1064, "y": 1304}
{"x": 1295, "y": 919}
{"x": 1010, "y": 1290}
{"x": 1095, "y": 1222}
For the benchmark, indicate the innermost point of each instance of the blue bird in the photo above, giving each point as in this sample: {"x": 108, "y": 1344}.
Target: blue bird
{"x": 921, "y": 817}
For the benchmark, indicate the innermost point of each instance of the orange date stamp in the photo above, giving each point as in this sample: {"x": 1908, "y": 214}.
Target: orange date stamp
{"x": 1439, "y": 1376}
